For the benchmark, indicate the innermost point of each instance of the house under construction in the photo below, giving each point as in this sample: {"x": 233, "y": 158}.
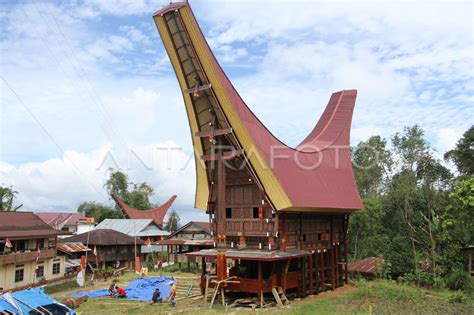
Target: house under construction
{"x": 280, "y": 214}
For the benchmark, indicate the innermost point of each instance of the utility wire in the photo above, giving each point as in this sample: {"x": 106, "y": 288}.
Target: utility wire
{"x": 82, "y": 71}
{"x": 49, "y": 135}
{"x": 100, "y": 105}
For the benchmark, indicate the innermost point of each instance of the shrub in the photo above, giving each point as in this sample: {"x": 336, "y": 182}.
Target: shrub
{"x": 458, "y": 279}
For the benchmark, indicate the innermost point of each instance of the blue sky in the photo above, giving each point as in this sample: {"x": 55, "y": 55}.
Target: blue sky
{"x": 97, "y": 80}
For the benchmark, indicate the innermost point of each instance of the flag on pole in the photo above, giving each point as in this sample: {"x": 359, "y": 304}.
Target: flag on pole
{"x": 90, "y": 220}
{"x": 8, "y": 243}
{"x": 148, "y": 243}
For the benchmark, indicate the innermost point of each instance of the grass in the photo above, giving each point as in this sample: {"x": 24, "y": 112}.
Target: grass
{"x": 364, "y": 297}
{"x": 388, "y": 297}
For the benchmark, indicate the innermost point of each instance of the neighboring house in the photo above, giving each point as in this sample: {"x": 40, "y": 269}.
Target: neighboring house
{"x": 27, "y": 250}
{"x": 367, "y": 267}
{"x": 72, "y": 253}
{"x": 142, "y": 228}
{"x": 109, "y": 247}
{"x": 191, "y": 237}
{"x": 66, "y": 221}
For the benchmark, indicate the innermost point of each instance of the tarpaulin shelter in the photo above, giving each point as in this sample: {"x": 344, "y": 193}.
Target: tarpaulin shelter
{"x": 32, "y": 301}
{"x": 140, "y": 289}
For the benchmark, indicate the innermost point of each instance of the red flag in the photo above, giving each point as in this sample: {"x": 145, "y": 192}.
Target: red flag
{"x": 148, "y": 243}
{"x": 90, "y": 220}
{"x": 8, "y": 243}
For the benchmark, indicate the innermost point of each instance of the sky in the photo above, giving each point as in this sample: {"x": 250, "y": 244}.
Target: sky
{"x": 86, "y": 86}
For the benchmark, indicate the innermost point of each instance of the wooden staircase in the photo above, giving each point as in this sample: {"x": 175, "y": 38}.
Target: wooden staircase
{"x": 280, "y": 296}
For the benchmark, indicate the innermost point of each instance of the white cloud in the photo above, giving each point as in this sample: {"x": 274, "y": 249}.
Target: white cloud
{"x": 96, "y": 76}
{"x": 61, "y": 184}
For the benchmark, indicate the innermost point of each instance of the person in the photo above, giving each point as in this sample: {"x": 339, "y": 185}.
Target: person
{"x": 172, "y": 294}
{"x": 120, "y": 292}
{"x": 156, "y": 297}
{"x": 112, "y": 290}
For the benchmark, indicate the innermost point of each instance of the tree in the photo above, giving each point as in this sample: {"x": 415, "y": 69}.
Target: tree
{"x": 117, "y": 183}
{"x": 98, "y": 211}
{"x": 7, "y": 196}
{"x": 463, "y": 154}
{"x": 135, "y": 195}
{"x": 372, "y": 163}
{"x": 173, "y": 222}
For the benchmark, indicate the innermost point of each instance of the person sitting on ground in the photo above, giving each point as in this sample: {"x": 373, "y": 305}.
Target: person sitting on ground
{"x": 112, "y": 290}
{"x": 120, "y": 292}
{"x": 172, "y": 294}
{"x": 156, "y": 297}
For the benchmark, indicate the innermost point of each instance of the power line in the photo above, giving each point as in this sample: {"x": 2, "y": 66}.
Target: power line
{"x": 107, "y": 118}
{"x": 83, "y": 72}
{"x": 49, "y": 135}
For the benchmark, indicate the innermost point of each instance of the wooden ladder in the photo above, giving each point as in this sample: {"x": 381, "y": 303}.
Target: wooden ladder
{"x": 280, "y": 296}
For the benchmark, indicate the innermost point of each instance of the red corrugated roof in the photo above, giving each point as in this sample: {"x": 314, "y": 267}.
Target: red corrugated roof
{"x": 54, "y": 218}
{"x": 156, "y": 214}
{"x": 366, "y": 266}
{"x": 72, "y": 247}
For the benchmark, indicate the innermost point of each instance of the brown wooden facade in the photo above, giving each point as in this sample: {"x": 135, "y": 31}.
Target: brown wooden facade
{"x": 267, "y": 239}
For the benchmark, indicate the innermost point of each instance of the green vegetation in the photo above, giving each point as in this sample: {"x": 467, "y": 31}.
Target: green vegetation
{"x": 386, "y": 297}
{"x": 137, "y": 195}
{"x": 364, "y": 297}
{"x": 173, "y": 222}
{"x": 417, "y": 214}
{"x": 7, "y": 196}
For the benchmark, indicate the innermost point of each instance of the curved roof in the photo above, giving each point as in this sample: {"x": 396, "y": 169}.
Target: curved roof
{"x": 156, "y": 214}
{"x": 315, "y": 176}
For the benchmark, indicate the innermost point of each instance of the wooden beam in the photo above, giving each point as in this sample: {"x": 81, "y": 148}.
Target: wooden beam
{"x": 331, "y": 253}
{"x": 310, "y": 274}
{"x": 224, "y": 156}
{"x": 213, "y": 133}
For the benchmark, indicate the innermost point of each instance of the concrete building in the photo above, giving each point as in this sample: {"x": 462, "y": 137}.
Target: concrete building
{"x": 27, "y": 251}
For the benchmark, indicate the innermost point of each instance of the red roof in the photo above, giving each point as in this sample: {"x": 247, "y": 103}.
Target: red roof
{"x": 156, "y": 214}
{"x": 315, "y": 175}
{"x": 366, "y": 266}
{"x": 25, "y": 225}
{"x": 54, "y": 219}
{"x": 72, "y": 247}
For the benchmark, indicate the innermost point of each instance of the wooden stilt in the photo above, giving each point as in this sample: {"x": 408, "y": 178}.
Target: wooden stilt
{"x": 323, "y": 276}
{"x": 223, "y": 297}
{"x": 331, "y": 253}
{"x": 310, "y": 267}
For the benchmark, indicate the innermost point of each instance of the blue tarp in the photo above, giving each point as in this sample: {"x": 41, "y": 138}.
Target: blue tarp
{"x": 5, "y": 306}
{"x": 140, "y": 289}
{"x": 29, "y": 300}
